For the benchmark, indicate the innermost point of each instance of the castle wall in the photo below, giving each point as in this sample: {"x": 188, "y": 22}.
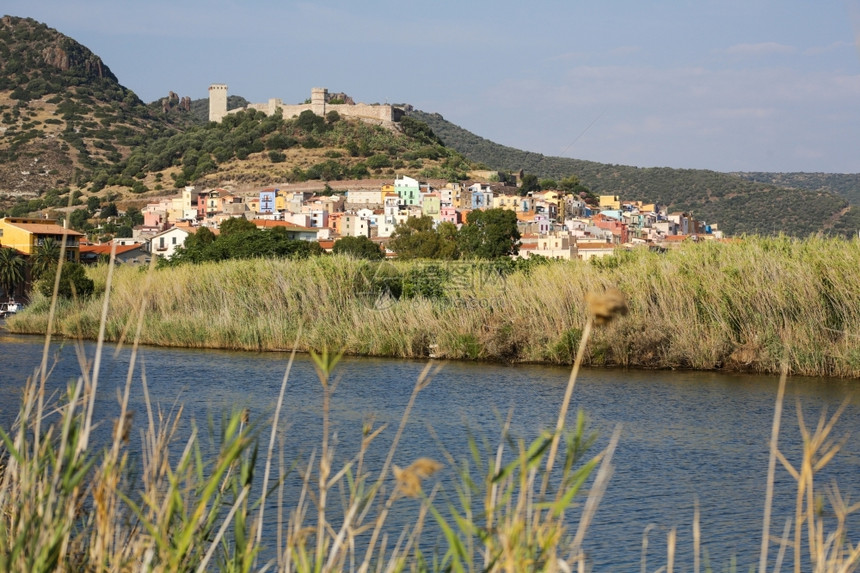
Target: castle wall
{"x": 384, "y": 115}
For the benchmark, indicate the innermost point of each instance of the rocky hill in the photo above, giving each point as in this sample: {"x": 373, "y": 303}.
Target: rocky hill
{"x": 63, "y": 114}
{"x": 69, "y": 130}
{"x": 68, "y": 127}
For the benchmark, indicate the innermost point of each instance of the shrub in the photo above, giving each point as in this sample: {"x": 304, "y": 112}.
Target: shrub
{"x": 277, "y": 156}
{"x": 74, "y": 283}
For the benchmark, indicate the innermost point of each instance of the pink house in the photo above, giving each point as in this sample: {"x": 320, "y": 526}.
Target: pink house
{"x": 153, "y": 216}
{"x": 450, "y": 214}
{"x": 618, "y": 229}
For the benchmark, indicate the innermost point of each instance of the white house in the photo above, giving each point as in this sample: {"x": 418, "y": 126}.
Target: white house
{"x": 165, "y": 243}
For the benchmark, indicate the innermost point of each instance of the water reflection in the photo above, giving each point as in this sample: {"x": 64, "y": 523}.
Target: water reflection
{"x": 687, "y": 437}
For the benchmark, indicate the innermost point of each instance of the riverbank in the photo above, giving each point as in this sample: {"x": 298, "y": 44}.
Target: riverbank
{"x": 749, "y": 305}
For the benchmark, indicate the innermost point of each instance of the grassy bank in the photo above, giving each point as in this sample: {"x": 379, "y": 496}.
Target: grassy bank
{"x": 747, "y": 305}
{"x": 84, "y": 491}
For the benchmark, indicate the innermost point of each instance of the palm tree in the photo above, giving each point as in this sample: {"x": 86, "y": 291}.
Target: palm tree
{"x": 11, "y": 270}
{"x": 44, "y": 259}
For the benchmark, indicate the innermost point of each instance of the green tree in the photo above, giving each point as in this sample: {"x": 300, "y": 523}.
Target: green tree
{"x": 489, "y": 234}
{"x": 109, "y": 210}
{"x": 78, "y": 219}
{"x": 359, "y": 247}
{"x": 572, "y": 184}
{"x": 133, "y": 217}
{"x": 529, "y": 183}
{"x": 197, "y": 248}
{"x": 93, "y": 204}
{"x": 236, "y": 225}
{"x": 124, "y": 232}
{"x": 74, "y": 283}
{"x": 277, "y": 156}
{"x": 11, "y": 270}
{"x": 417, "y": 239}
{"x": 44, "y": 260}
{"x": 279, "y": 141}
{"x": 310, "y": 122}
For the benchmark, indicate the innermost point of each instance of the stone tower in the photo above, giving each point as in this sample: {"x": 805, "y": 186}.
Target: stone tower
{"x": 217, "y": 102}
{"x": 318, "y": 97}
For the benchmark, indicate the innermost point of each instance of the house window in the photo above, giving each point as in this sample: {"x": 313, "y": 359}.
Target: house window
{"x": 174, "y": 240}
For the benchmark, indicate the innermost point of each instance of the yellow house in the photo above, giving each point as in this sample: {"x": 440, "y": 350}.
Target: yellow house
{"x": 610, "y": 202}
{"x": 507, "y": 202}
{"x": 25, "y": 235}
{"x": 550, "y": 196}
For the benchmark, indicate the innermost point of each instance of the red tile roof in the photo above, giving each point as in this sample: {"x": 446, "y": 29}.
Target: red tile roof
{"x": 104, "y": 249}
{"x": 270, "y": 224}
{"x": 44, "y": 229}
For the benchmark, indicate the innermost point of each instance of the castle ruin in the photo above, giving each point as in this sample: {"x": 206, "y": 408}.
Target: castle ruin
{"x": 385, "y": 115}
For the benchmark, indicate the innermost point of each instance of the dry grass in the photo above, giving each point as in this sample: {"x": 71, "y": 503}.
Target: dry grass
{"x": 751, "y": 305}
{"x": 69, "y": 504}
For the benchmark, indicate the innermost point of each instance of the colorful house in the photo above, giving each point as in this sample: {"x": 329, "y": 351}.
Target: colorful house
{"x": 408, "y": 189}
{"x": 26, "y": 234}
{"x": 431, "y": 203}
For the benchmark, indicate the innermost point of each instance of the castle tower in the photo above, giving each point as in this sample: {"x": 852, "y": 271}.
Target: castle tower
{"x": 217, "y": 102}
{"x": 318, "y": 98}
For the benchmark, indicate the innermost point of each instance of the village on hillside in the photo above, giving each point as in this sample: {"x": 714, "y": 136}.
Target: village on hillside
{"x": 551, "y": 223}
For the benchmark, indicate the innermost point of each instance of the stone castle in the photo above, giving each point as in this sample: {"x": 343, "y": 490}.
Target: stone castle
{"x": 385, "y": 115}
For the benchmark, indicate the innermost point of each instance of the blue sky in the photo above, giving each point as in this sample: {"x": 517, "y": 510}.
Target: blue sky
{"x": 754, "y": 85}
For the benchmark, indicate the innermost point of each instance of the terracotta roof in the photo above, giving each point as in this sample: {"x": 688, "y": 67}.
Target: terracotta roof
{"x": 268, "y": 223}
{"x": 587, "y": 246}
{"x": 43, "y": 229}
{"x": 104, "y": 249}
{"x": 195, "y": 229}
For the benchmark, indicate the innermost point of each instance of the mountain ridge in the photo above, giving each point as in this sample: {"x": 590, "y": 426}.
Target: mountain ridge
{"x": 68, "y": 126}
{"x": 739, "y": 204}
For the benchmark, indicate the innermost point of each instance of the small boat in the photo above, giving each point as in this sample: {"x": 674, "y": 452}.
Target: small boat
{"x": 9, "y": 308}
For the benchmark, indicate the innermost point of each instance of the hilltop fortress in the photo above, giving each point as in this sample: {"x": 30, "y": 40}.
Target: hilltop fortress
{"x": 385, "y": 115}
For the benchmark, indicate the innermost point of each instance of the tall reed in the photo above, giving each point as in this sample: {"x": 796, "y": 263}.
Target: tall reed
{"x": 753, "y": 305}
{"x": 71, "y": 502}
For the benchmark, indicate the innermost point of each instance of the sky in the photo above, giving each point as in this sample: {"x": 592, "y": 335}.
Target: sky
{"x": 728, "y": 85}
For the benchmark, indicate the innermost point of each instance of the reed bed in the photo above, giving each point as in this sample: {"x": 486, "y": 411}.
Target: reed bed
{"x": 71, "y": 500}
{"x": 753, "y": 304}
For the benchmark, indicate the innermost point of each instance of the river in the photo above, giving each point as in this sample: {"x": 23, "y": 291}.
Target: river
{"x": 686, "y": 437}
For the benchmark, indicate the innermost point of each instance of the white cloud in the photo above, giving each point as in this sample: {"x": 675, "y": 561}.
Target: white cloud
{"x": 832, "y": 47}
{"x": 682, "y": 117}
{"x": 759, "y": 49}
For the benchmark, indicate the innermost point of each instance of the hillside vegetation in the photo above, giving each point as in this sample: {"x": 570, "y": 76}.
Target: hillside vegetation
{"x": 844, "y": 184}
{"x": 765, "y": 205}
{"x": 249, "y": 146}
{"x": 63, "y": 115}
{"x": 68, "y": 127}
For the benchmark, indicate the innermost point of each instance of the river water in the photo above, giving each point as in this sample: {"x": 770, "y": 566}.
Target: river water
{"x": 686, "y": 437}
